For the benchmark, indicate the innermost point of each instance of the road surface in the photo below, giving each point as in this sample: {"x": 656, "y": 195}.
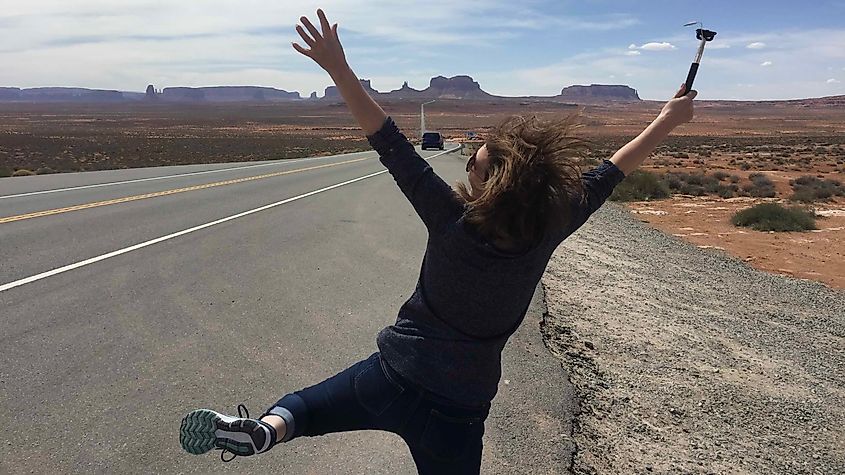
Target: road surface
{"x": 130, "y": 297}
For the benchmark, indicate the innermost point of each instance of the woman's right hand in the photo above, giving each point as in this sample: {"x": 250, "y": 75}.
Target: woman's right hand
{"x": 679, "y": 110}
{"x": 325, "y": 49}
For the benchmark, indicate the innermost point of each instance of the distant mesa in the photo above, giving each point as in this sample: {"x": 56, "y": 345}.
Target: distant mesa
{"x": 60, "y": 94}
{"x": 457, "y": 87}
{"x": 598, "y": 92}
{"x": 332, "y": 93}
{"x": 227, "y": 94}
{"x": 313, "y": 95}
{"x": 10, "y": 93}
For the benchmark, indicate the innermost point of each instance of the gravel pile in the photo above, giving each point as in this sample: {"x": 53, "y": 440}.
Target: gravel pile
{"x": 689, "y": 361}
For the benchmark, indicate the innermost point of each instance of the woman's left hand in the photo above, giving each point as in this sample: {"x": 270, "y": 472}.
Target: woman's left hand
{"x": 324, "y": 48}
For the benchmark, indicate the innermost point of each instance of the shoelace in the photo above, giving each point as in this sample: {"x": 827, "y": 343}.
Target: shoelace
{"x": 243, "y": 413}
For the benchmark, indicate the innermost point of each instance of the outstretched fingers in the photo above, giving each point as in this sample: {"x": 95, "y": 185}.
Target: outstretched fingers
{"x": 324, "y": 22}
{"x": 323, "y": 47}
{"x": 307, "y": 39}
{"x": 306, "y": 52}
{"x": 311, "y": 28}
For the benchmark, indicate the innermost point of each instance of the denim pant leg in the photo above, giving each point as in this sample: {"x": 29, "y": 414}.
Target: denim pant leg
{"x": 358, "y": 398}
{"x": 444, "y": 439}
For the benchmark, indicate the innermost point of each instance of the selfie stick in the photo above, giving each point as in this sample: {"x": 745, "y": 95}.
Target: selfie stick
{"x": 704, "y": 36}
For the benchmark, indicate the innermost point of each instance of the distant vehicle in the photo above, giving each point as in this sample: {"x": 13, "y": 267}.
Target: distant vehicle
{"x": 432, "y": 140}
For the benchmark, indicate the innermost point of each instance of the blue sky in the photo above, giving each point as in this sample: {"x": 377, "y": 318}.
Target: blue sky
{"x": 764, "y": 49}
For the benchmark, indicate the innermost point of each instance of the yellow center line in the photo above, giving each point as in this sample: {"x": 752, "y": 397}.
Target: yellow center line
{"x": 126, "y": 199}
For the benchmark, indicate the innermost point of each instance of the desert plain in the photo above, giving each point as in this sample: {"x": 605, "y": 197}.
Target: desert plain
{"x": 719, "y": 158}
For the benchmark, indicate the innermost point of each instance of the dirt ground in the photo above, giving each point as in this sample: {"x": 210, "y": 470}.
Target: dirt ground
{"x": 687, "y": 361}
{"x": 816, "y": 255}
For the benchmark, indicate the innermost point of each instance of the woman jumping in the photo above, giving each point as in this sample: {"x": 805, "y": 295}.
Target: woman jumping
{"x": 438, "y": 366}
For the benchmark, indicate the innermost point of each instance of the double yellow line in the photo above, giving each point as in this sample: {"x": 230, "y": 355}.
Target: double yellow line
{"x": 50, "y": 212}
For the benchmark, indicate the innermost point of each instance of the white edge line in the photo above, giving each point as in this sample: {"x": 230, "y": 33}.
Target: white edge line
{"x": 135, "y": 247}
{"x": 138, "y": 180}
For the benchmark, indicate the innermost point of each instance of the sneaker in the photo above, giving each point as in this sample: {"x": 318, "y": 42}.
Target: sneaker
{"x": 203, "y": 430}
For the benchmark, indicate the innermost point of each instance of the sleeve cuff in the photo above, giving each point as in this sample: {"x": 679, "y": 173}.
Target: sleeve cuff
{"x": 386, "y": 139}
{"x": 611, "y": 170}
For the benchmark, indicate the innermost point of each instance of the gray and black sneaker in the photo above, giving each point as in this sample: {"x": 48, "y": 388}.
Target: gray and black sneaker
{"x": 203, "y": 430}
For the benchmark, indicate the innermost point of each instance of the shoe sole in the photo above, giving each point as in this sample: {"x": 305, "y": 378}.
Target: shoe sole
{"x": 203, "y": 430}
{"x": 197, "y": 433}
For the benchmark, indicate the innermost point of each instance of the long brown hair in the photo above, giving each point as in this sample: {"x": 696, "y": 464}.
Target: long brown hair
{"x": 534, "y": 173}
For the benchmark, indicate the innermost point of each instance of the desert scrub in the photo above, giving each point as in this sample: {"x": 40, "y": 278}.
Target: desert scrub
{"x": 23, "y": 172}
{"x": 774, "y": 217}
{"x": 809, "y": 189}
{"x": 761, "y": 186}
{"x": 4, "y": 172}
{"x": 640, "y": 186}
{"x": 44, "y": 171}
{"x": 720, "y": 175}
{"x": 699, "y": 184}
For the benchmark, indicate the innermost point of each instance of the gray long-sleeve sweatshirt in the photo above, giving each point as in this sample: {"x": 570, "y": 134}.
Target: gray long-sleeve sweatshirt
{"x": 470, "y": 296}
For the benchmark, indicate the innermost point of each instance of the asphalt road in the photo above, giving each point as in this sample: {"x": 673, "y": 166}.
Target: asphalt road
{"x": 115, "y": 323}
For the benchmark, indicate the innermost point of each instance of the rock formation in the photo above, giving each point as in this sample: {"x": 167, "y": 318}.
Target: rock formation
{"x": 405, "y": 92}
{"x": 332, "y": 93}
{"x": 457, "y": 87}
{"x": 598, "y": 93}
{"x": 10, "y": 93}
{"x": 151, "y": 94}
{"x": 227, "y": 94}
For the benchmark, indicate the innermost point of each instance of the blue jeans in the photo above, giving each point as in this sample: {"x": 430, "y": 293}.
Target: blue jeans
{"x": 443, "y": 437}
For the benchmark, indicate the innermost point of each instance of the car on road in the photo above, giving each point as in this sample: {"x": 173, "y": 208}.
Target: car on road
{"x": 432, "y": 140}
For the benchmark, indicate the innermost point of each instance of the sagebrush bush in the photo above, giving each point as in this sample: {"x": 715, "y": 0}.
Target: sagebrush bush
{"x": 774, "y": 217}
{"x": 4, "y": 172}
{"x": 720, "y": 175}
{"x": 44, "y": 171}
{"x": 698, "y": 184}
{"x": 640, "y": 186}
{"x": 761, "y": 186}
{"x": 23, "y": 172}
{"x": 809, "y": 189}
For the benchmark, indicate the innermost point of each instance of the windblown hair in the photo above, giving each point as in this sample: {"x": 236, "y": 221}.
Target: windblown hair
{"x": 534, "y": 174}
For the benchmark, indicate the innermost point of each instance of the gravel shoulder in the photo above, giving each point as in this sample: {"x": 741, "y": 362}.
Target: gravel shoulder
{"x": 689, "y": 361}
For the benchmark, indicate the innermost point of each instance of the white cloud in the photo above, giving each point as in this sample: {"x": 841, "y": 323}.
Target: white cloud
{"x": 632, "y": 53}
{"x": 766, "y": 63}
{"x": 756, "y": 45}
{"x": 833, "y": 81}
{"x": 653, "y": 46}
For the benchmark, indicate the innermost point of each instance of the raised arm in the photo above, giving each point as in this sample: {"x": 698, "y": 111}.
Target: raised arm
{"x": 325, "y": 49}
{"x": 677, "y": 111}
{"x": 433, "y": 199}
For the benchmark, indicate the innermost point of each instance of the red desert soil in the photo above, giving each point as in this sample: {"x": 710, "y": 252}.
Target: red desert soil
{"x": 706, "y": 222}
